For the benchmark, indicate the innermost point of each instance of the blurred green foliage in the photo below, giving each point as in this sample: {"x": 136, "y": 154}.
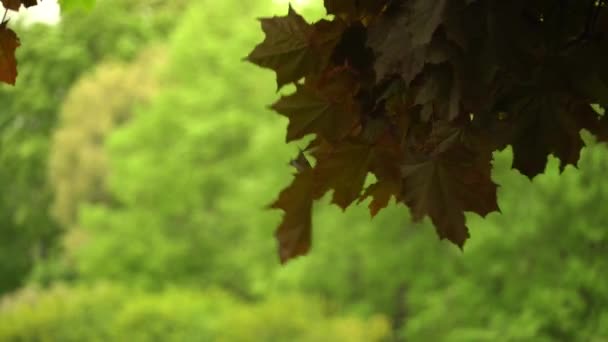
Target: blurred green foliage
{"x": 51, "y": 61}
{"x": 137, "y": 160}
{"x": 113, "y": 313}
{"x": 77, "y": 161}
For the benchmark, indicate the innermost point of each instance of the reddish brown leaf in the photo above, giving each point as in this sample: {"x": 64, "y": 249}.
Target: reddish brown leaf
{"x": 445, "y": 185}
{"x": 552, "y": 125}
{"x": 450, "y": 82}
{"x": 8, "y": 64}
{"x": 381, "y": 193}
{"x": 294, "y": 233}
{"x": 392, "y": 44}
{"x": 327, "y": 109}
{"x": 344, "y": 168}
{"x": 440, "y": 92}
{"x": 424, "y": 17}
{"x": 354, "y": 8}
{"x": 293, "y": 48}
{"x": 15, "y": 4}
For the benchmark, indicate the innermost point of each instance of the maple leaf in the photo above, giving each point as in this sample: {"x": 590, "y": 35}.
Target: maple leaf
{"x": 551, "y": 125}
{"x": 392, "y": 44}
{"x": 439, "y": 93}
{"x": 294, "y": 48}
{"x": 385, "y": 165}
{"x": 295, "y": 231}
{"x": 354, "y": 8}
{"x": 445, "y": 184}
{"x": 15, "y": 4}
{"x": 8, "y": 64}
{"x": 424, "y": 17}
{"x": 344, "y": 169}
{"x": 381, "y": 193}
{"x": 449, "y": 82}
{"x": 326, "y": 108}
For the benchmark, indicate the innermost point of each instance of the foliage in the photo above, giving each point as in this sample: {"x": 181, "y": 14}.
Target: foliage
{"x": 535, "y": 272}
{"x": 77, "y": 163}
{"x": 176, "y": 176}
{"x": 168, "y": 204}
{"x": 73, "y": 5}
{"x": 419, "y": 93}
{"x": 540, "y": 268}
{"x": 107, "y": 312}
{"x": 49, "y": 68}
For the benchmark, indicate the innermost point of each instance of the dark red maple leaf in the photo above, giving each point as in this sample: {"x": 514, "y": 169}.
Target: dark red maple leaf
{"x": 321, "y": 106}
{"x": 443, "y": 185}
{"x": 294, "y": 48}
{"x": 448, "y": 82}
{"x": 8, "y": 64}
{"x": 552, "y": 125}
{"x": 354, "y": 8}
{"x": 15, "y": 4}
{"x": 295, "y": 231}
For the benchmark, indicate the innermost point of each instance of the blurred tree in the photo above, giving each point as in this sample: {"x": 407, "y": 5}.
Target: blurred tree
{"x": 535, "y": 273}
{"x": 114, "y": 313}
{"x": 115, "y": 29}
{"x": 180, "y": 159}
{"x": 78, "y": 163}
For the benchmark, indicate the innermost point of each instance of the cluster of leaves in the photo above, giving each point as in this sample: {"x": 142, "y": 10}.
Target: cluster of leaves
{"x": 419, "y": 93}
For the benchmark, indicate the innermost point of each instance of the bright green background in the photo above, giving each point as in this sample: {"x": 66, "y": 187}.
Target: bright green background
{"x": 137, "y": 156}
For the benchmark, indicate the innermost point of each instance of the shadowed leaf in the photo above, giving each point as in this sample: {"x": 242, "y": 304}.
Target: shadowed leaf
{"x": 327, "y": 109}
{"x": 445, "y": 185}
{"x": 294, "y": 233}
{"x": 15, "y": 4}
{"x": 293, "y": 48}
{"x": 8, "y": 44}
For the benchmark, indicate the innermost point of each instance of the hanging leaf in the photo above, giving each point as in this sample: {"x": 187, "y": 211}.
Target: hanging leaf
{"x": 552, "y": 125}
{"x": 294, "y": 233}
{"x": 15, "y": 4}
{"x": 326, "y": 108}
{"x": 293, "y": 48}
{"x": 420, "y": 93}
{"x": 445, "y": 185}
{"x": 8, "y": 44}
